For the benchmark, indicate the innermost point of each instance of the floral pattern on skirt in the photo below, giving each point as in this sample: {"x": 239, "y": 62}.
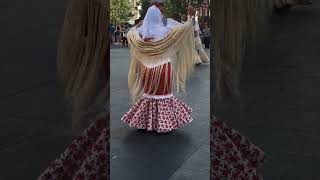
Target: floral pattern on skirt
{"x": 85, "y": 158}
{"x": 161, "y": 115}
{"x": 233, "y": 156}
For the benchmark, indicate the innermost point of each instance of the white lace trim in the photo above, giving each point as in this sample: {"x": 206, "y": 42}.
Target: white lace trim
{"x": 157, "y": 96}
{"x": 151, "y": 64}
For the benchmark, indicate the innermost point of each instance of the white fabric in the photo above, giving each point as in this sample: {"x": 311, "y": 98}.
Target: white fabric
{"x": 197, "y": 27}
{"x": 151, "y": 64}
{"x": 172, "y": 23}
{"x": 157, "y": 96}
{"x": 152, "y": 26}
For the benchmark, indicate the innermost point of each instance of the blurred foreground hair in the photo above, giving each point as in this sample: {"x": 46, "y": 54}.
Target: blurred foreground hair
{"x": 237, "y": 25}
{"x": 82, "y": 56}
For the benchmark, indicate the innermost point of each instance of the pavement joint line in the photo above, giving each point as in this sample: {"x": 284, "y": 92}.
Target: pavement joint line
{"x": 16, "y": 142}
{"x": 25, "y": 117}
{"x": 22, "y": 139}
{"x": 16, "y": 93}
{"x": 304, "y": 155}
{"x": 295, "y": 131}
{"x": 39, "y": 133}
{"x": 188, "y": 157}
{"x": 270, "y": 156}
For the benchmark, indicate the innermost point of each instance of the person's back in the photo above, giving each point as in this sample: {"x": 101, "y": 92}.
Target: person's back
{"x": 151, "y": 75}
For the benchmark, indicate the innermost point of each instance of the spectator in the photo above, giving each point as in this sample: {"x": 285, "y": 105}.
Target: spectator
{"x": 122, "y": 31}
{"x": 117, "y": 34}
{"x": 125, "y": 40}
{"x": 111, "y": 33}
{"x": 206, "y": 36}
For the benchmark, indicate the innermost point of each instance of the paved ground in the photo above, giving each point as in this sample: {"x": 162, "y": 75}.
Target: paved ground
{"x": 182, "y": 154}
{"x": 31, "y": 105}
{"x": 280, "y": 105}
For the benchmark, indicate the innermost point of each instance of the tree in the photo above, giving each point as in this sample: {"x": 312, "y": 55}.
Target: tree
{"x": 174, "y": 8}
{"x": 120, "y": 11}
{"x": 179, "y": 7}
{"x": 144, "y": 4}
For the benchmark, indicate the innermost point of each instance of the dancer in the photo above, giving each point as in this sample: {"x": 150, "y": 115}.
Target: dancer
{"x": 169, "y": 22}
{"x": 199, "y": 48}
{"x": 198, "y": 44}
{"x": 160, "y": 57}
{"x": 84, "y": 73}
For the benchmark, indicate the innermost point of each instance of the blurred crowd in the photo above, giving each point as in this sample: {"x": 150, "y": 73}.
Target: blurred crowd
{"x": 118, "y": 34}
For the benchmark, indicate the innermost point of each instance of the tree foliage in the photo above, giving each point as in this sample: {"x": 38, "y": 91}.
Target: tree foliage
{"x": 144, "y": 4}
{"x": 174, "y": 8}
{"x": 120, "y": 11}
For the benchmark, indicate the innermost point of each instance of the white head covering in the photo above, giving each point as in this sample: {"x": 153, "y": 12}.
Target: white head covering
{"x": 152, "y": 26}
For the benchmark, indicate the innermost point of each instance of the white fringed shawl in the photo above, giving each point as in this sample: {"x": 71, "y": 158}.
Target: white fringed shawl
{"x": 178, "y": 45}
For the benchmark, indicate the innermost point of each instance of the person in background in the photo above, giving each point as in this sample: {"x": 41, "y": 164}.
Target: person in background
{"x": 124, "y": 36}
{"x": 198, "y": 44}
{"x": 206, "y": 36}
{"x": 117, "y": 34}
{"x": 122, "y": 30}
{"x": 111, "y": 33}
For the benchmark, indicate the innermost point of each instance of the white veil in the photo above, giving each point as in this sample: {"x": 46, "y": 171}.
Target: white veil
{"x": 152, "y": 26}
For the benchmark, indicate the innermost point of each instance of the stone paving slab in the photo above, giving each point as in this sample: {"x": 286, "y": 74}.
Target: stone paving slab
{"x": 28, "y": 43}
{"x": 44, "y": 103}
{"x": 28, "y": 159}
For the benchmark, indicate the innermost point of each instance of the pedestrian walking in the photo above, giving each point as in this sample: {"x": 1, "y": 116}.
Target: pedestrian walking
{"x": 197, "y": 59}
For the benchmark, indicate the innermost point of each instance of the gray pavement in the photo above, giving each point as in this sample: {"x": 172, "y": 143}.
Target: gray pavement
{"x": 182, "y": 154}
{"x": 32, "y": 113}
{"x": 279, "y": 108}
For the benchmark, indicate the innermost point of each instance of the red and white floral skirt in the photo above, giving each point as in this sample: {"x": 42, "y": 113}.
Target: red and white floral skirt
{"x": 85, "y": 158}
{"x": 233, "y": 156}
{"x": 161, "y": 112}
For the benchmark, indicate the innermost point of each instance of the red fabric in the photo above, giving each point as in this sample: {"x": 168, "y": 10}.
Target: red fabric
{"x": 162, "y": 90}
{"x": 233, "y": 156}
{"x": 85, "y": 158}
